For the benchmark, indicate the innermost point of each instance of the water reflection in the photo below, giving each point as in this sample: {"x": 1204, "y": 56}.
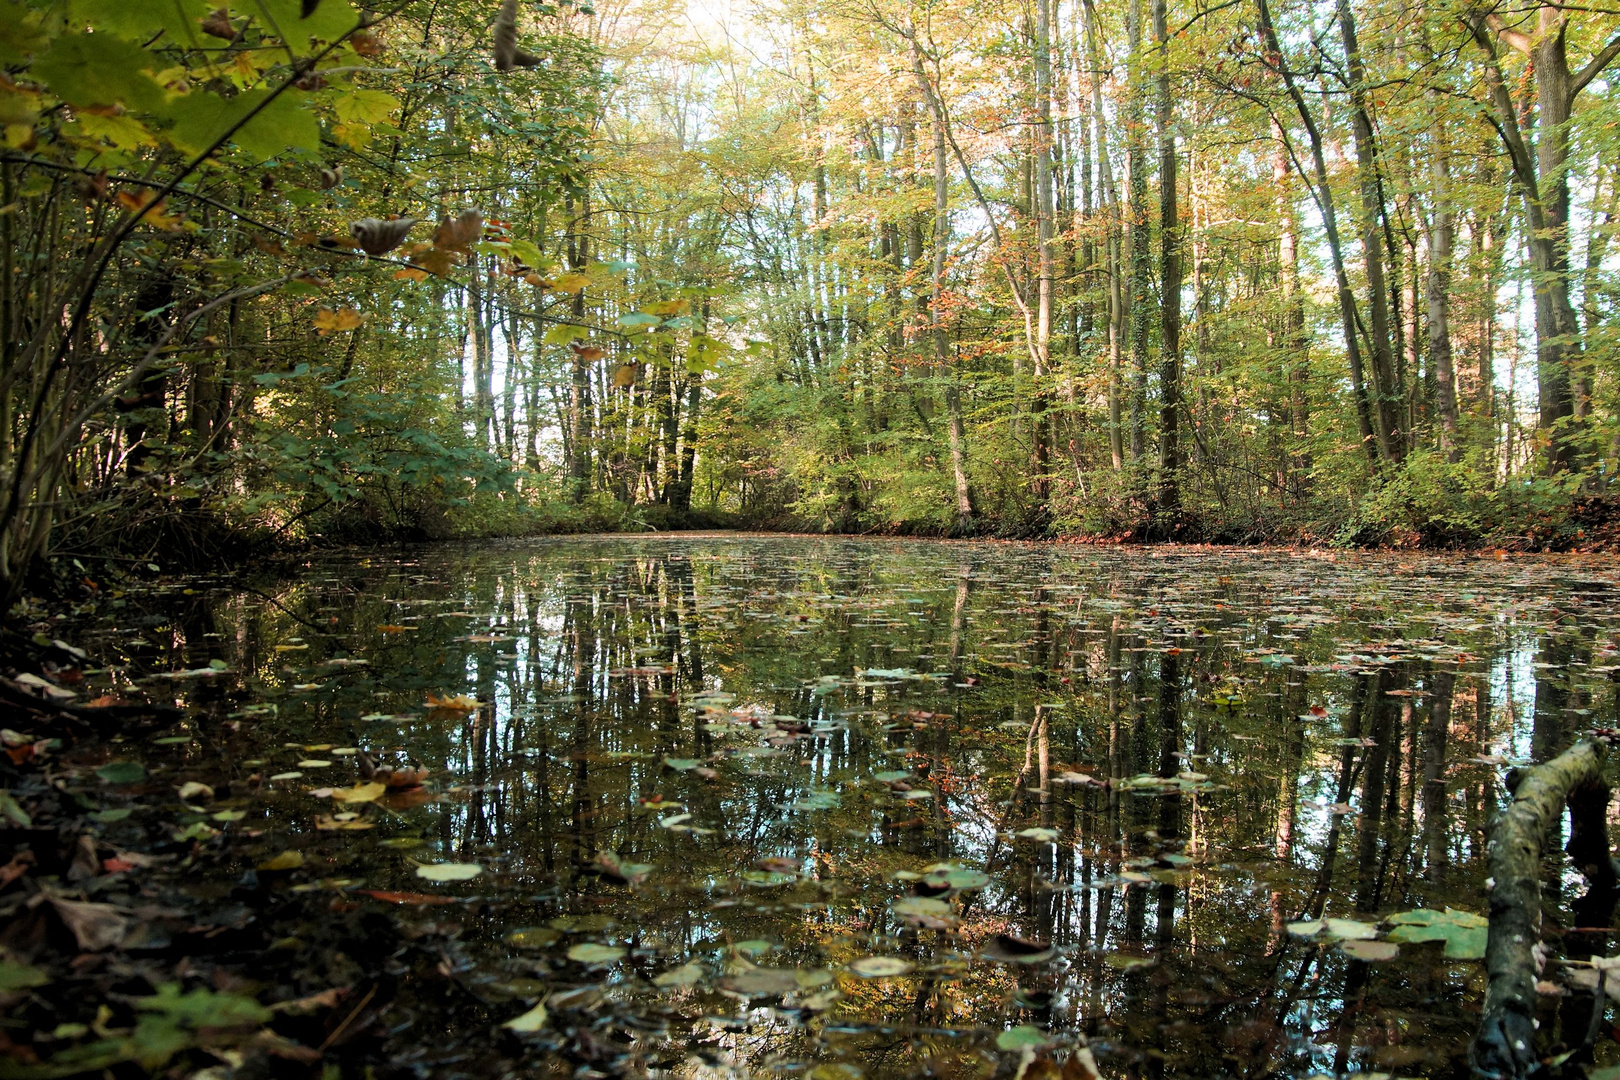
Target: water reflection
{"x": 1156, "y": 760}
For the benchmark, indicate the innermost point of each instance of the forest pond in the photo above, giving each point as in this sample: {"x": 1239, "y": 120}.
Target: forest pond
{"x": 741, "y": 805}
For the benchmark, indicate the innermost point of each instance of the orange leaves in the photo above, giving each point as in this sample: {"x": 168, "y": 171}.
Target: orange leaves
{"x": 328, "y": 321}
{"x": 460, "y": 232}
{"x": 587, "y": 353}
{"x": 457, "y": 703}
{"x": 149, "y": 211}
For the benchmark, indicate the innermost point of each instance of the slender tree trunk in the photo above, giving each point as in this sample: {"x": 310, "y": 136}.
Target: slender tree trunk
{"x": 1296, "y": 362}
{"x": 579, "y": 405}
{"x": 1322, "y": 191}
{"x": 1111, "y": 246}
{"x": 956, "y": 431}
{"x": 1040, "y": 423}
{"x": 1169, "y": 493}
{"x": 1438, "y": 307}
{"x": 1137, "y": 222}
{"x": 1387, "y": 392}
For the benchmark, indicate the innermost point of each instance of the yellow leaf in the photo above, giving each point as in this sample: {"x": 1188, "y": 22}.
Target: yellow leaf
{"x": 326, "y": 823}
{"x": 370, "y": 792}
{"x": 570, "y": 282}
{"x": 624, "y": 375}
{"x": 666, "y": 307}
{"x": 410, "y": 273}
{"x": 287, "y": 860}
{"x": 328, "y": 321}
{"x": 533, "y": 1020}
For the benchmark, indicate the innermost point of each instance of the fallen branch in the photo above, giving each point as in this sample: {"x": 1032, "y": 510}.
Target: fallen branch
{"x": 1505, "y": 1046}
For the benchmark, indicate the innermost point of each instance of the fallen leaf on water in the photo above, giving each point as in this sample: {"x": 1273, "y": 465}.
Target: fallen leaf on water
{"x": 1022, "y": 1037}
{"x": 327, "y": 823}
{"x": 360, "y": 793}
{"x": 531, "y": 1021}
{"x": 591, "y": 953}
{"x": 879, "y": 967}
{"x": 1463, "y": 932}
{"x": 1016, "y": 950}
{"x": 688, "y": 974}
{"x": 449, "y": 871}
{"x": 94, "y": 926}
{"x": 287, "y": 860}
{"x": 1371, "y": 951}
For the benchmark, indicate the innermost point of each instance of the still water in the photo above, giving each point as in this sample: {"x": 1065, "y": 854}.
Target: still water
{"x": 745, "y": 805}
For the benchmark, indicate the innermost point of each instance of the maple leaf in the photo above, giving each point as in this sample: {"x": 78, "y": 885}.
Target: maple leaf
{"x": 328, "y": 321}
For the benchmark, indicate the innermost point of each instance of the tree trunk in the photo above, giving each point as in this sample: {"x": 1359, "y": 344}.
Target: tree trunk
{"x": 956, "y": 431}
{"x": 1137, "y": 225}
{"x": 1438, "y": 308}
{"x": 1169, "y": 493}
{"x": 1387, "y": 391}
{"x": 579, "y": 405}
{"x": 1322, "y": 192}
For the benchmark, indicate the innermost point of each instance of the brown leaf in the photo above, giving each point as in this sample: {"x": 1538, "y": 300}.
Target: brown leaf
{"x": 217, "y": 23}
{"x": 379, "y": 237}
{"x": 94, "y": 926}
{"x": 505, "y": 35}
{"x": 460, "y": 232}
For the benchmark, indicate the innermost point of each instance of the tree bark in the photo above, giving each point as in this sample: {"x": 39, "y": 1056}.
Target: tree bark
{"x": 1169, "y": 492}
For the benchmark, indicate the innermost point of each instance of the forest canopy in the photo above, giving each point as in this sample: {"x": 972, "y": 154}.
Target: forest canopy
{"x": 1255, "y": 269}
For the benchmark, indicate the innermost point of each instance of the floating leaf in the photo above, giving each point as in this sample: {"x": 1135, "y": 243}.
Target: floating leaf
{"x": 926, "y": 912}
{"x": 1371, "y": 951}
{"x": 1039, "y": 835}
{"x": 361, "y": 793}
{"x": 534, "y": 937}
{"x": 449, "y": 871}
{"x": 1022, "y": 1037}
{"x": 287, "y": 860}
{"x": 761, "y": 982}
{"x": 1016, "y": 950}
{"x": 591, "y": 953}
{"x": 1463, "y": 932}
{"x": 688, "y": 974}
{"x": 122, "y": 772}
{"x": 14, "y": 976}
{"x": 880, "y": 967}
{"x": 529, "y": 1022}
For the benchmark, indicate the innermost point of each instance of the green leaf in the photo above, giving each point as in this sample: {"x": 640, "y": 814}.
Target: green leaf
{"x": 201, "y": 119}
{"x": 12, "y": 811}
{"x": 141, "y": 20}
{"x": 204, "y": 1008}
{"x": 122, "y": 772}
{"x": 365, "y": 106}
{"x": 451, "y": 871}
{"x": 99, "y": 69}
{"x": 122, "y": 131}
{"x": 563, "y": 333}
{"x": 1020, "y": 1037}
{"x": 284, "y": 18}
{"x": 1463, "y": 932}
{"x": 20, "y": 976}
{"x": 638, "y": 318}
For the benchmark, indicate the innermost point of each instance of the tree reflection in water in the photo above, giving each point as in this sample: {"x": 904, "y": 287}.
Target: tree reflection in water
{"x": 1157, "y": 759}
